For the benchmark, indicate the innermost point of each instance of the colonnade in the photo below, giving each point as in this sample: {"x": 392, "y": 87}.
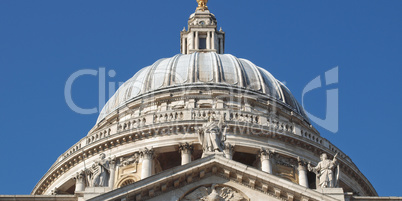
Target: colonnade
{"x": 186, "y": 151}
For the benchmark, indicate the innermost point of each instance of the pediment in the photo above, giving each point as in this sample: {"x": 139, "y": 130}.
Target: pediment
{"x": 214, "y": 172}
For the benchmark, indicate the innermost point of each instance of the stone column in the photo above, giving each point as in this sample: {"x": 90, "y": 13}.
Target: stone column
{"x": 197, "y": 41}
{"x": 193, "y": 43}
{"x": 266, "y": 164}
{"x": 209, "y": 40}
{"x": 112, "y": 166}
{"x": 183, "y": 46}
{"x": 229, "y": 150}
{"x": 146, "y": 167}
{"x": 80, "y": 181}
{"x": 186, "y": 150}
{"x": 213, "y": 41}
{"x": 221, "y": 46}
{"x": 303, "y": 180}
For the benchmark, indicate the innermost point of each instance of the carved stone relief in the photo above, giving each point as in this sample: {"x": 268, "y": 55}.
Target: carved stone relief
{"x": 130, "y": 160}
{"x": 128, "y": 170}
{"x": 286, "y": 168}
{"x": 215, "y": 193}
{"x": 203, "y": 22}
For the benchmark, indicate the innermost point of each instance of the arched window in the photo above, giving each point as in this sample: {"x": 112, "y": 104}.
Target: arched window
{"x": 127, "y": 182}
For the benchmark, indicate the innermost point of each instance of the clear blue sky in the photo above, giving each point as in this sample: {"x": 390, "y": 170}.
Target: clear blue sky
{"x": 43, "y": 42}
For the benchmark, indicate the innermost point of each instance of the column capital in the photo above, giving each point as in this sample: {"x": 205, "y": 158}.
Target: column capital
{"x": 229, "y": 147}
{"x": 146, "y": 168}
{"x": 147, "y": 153}
{"x": 228, "y": 150}
{"x": 186, "y": 148}
{"x": 112, "y": 162}
{"x": 79, "y": 181}
{"x": 265, "y": 154}
{"x": 302, "y": 164}
{"x": 79, "y": 176}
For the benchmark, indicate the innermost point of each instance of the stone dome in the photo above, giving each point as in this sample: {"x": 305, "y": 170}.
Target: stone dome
{"x": 207, "y": 68}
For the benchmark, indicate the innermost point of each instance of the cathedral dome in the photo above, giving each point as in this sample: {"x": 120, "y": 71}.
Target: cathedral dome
{"x": 202, "y": 113}
{"x": 207, "y": 68}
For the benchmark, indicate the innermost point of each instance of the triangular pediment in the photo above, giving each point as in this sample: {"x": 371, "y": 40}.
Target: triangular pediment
{"x": 214, "y": 172}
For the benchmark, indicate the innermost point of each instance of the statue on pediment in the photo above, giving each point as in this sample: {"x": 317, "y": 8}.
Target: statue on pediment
{"x": 99, "y": 172}
{"x": 212, "y": 135}
{"x": 327, "y": 172}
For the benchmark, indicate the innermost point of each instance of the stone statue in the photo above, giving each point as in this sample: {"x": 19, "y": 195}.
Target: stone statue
{"x": 202, "y": 5}
{"x": 213, "y": 196}
{"x": 327, "y": 172}
{"x": 100, "y": 172}
{"x": 212, "y": 135}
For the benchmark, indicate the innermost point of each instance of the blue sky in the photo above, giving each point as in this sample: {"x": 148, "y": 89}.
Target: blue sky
{"x": 43, "y": 42}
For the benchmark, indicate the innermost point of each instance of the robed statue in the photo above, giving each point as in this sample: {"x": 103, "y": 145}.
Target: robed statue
{"x": 212, "y": 135}
{"x": 100, "y": 172}
{"x": 327, "y": 172}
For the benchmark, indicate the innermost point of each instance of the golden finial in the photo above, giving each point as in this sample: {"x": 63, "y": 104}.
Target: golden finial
{"x": 202, "y": 5}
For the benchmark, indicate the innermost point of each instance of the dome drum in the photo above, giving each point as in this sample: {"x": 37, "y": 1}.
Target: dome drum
{"x": 166, "y": 127}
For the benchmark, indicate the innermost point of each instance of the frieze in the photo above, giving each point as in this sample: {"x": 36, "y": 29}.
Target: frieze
{"x": 288, "y": 162}
{"x": 215, "y": 193}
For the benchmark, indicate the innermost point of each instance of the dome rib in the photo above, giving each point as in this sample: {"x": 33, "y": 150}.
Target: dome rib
{"x": 273, "y": 85}
{"x": 172, "y": 64}
{"x": 229, "y": 74}
{"x": 205, "y": 68}
{"x": 147, "y": 85}
{"x": 215, "y": 66}
{"x": 193, "y": 67}
{"x": 177, "y": 72}
{"x": 254, "y": 68}
{"x": 239, "y": 69}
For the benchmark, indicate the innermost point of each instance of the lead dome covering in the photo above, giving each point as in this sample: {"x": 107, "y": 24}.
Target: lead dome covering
{"x": 200, "y": 69}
